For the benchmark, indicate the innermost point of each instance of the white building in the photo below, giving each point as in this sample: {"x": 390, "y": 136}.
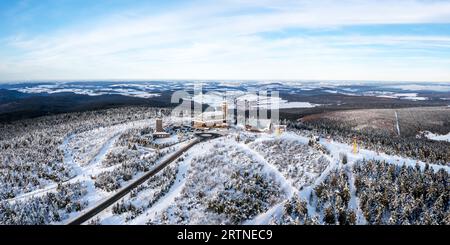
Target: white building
{"x": 212, "y": 119}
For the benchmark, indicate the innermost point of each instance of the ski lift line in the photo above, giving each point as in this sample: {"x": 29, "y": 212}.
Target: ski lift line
{"x": 396, "y": 123}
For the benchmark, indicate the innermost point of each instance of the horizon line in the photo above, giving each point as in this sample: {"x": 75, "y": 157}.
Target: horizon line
{"x": 215, "y": 80}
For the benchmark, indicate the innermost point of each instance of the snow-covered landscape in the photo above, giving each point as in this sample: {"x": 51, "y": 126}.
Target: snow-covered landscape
{"x": 199, "y": 121}
{"x": 56, "y": 168}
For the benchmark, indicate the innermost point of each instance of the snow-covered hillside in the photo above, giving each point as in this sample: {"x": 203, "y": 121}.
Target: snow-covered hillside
{"x": 299, "y": 163}
{"x": 224, "y": 185}
{"x": 61, "y": 166}
{"x": 76, "y": 158}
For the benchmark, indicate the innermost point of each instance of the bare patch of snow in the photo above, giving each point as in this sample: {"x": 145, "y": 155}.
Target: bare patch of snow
{"x": 438, "y": 137}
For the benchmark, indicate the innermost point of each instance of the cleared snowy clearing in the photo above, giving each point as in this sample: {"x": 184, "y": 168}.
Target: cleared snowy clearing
{"x": 438, "y": 137}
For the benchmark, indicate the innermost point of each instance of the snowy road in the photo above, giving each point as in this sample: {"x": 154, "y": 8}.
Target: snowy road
{"x": 167, "y": 199}
{"x": 87, "y": 214}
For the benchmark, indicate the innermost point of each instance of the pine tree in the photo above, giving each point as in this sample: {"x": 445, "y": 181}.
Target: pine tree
{"x": 351, "y": 217}
{"x": 329, "y": 217}
{"x": 342, "y": 217}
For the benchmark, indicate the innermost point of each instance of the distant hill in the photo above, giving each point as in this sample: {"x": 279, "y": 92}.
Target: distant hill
{"x": 15, "y": 105}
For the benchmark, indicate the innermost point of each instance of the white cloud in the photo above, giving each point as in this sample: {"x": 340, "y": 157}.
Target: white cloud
{"x": 221, "y": 40}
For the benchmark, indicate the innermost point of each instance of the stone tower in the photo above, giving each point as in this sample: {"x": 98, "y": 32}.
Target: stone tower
{"x": 225, "y": 111}
{"x": 159, "y": 127}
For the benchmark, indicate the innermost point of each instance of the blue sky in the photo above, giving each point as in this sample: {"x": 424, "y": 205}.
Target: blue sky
{"x": 401, "y": 40}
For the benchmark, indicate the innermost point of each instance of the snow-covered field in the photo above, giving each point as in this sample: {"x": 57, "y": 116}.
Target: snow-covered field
{"x": 438, "y": 137}
{"x": 263, "y": 101}
{"x": 132, "y": 90}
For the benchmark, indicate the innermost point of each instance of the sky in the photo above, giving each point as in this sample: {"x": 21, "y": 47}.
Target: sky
{"x": 389, "y": 40}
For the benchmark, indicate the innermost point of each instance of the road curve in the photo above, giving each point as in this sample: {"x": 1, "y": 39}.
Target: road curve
{"x": 86, "y": 215}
